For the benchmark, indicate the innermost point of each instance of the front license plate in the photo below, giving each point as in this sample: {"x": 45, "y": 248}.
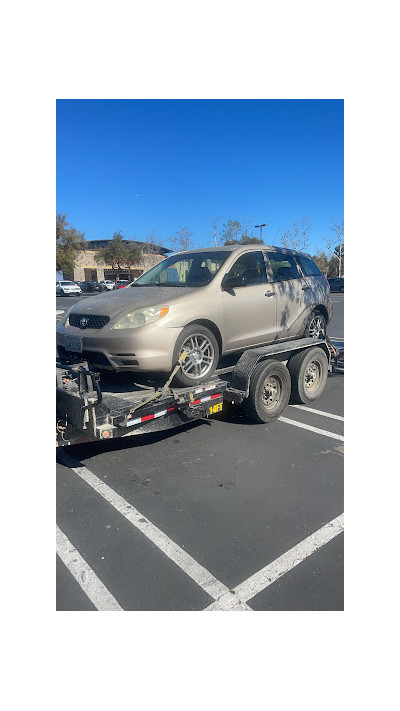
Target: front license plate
{"x": 73, "y": 343}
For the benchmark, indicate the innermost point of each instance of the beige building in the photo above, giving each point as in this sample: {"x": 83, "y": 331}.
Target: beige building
{"x": 88, "y": 269}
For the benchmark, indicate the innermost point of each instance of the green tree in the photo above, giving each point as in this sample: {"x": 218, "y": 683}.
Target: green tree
{"x": 69, "y": 241}
{"x": 322, "y": 262}
{"x": 233, "y": 232}
{"x": 121, "y": 254}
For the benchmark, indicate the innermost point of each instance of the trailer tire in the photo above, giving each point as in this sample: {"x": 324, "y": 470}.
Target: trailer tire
{"x": 203, "y": 353}
{"x": 308, "y": 371}
{"x": 269, "y": 391}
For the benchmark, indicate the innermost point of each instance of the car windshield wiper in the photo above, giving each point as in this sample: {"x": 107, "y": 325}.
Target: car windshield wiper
{"x": 157, "y": 283}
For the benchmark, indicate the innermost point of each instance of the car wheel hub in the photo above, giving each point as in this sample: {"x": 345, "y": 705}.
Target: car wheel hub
{"x": 312, "y": 377}
{"x": 316, "y": 329}
{"x": 200, "y": 356}
{"x": 271, "y": 392}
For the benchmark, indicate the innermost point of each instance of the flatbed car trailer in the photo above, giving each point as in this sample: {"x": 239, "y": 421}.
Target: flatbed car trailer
{"x": 263, "y": 380}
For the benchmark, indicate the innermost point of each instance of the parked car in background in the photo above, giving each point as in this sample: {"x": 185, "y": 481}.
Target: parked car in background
{"x": 207, "y": 302}
{"x": 121, "y": 284}
{"x": 336, "y": 284}
{"x": 67, "y": 288}
{"x": 89, "y": 286}
{"x": 107, "y": 285}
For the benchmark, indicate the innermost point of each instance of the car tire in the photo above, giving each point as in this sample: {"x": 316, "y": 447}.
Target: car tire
{"x": 315, "y": 326}
{"x": 269, "y": 391}
{"x": 308, "y": 371}
{"x": 203, "y": 355}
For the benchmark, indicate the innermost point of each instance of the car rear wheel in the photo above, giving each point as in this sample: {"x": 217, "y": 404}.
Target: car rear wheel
{"x": 269, "y": 391}
{"x": 308, "y": 371}
{"x": 202, "y": 355}
{"x": 316, "y": 326}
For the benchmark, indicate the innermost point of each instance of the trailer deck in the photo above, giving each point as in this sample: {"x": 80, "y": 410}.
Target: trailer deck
{"x": 94, "y": 407}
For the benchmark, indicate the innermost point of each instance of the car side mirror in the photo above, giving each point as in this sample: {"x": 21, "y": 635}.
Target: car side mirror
{"x": 232, "y": 282}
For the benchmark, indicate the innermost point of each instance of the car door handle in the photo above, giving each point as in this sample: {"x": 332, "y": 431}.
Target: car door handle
{"x": 270, "y": 293}
{"x": 305, "y": 288}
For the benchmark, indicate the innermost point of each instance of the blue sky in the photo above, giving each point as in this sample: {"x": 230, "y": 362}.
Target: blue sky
{"x": 142, "y": 166}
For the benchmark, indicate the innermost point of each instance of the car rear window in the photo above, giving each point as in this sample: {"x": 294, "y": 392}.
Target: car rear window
{"x": 308, "y": 267}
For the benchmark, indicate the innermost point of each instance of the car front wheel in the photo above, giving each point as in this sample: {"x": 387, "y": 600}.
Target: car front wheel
{"x": 202, "y": 357}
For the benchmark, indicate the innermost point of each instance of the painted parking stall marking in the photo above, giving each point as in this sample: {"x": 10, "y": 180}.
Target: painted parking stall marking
{"x": 84, "y": 575}
{"x": 224, "y": 599}
{"x": 286, "y": 562}
{"x": 319, "y": 412}
{"x": 317, "y": 430}
{"x": 194, "y": 570}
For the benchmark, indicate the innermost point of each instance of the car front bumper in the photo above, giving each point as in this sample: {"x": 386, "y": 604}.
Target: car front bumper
{"x": 148, "y": 348}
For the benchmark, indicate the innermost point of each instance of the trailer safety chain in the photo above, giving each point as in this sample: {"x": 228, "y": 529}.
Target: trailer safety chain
{"x": 165, "y": 390}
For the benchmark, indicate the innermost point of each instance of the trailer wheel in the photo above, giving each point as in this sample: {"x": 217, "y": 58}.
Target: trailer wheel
{"x": 269, "y": 391}
{"x": 308, "y": 371}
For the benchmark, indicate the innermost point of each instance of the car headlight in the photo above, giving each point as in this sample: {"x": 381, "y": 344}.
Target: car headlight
{"x": 142, "y": 317}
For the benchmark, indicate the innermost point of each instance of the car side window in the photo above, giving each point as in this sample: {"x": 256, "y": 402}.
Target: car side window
{"x": 283, "y": 266}
{"x": 308, "y": 267}
{"x": 250, "y": 265}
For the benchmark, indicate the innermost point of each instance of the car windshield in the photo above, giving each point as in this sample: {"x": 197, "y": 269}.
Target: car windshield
{"x": 67, "y": 283}
{"x": 192, "y": 269}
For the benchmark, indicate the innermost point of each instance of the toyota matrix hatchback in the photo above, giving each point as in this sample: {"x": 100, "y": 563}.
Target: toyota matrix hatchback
{"x": 207, "y": 302}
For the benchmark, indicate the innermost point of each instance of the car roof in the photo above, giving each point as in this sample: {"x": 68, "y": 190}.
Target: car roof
{"x": 242, "y": 248}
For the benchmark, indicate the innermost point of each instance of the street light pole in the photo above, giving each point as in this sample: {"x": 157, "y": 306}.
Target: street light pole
{"x": 261, "y": 226}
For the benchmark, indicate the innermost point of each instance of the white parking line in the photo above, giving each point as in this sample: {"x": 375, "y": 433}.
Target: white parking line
{"x": 183, "y": 560}
{"x": 59, "y": 312}
{"x": 319, "y": 412}
{"x": 333, "y": 435}
{"x": 225, "y": 599}
{"x": 265, "y": 577}
{"x": 84, "y": 575}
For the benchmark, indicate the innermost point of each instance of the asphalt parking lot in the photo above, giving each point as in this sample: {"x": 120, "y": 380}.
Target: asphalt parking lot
{"x": 223, "y": 514}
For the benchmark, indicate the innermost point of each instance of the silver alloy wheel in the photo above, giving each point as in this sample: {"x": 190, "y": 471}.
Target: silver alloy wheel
{"x": 312, "y": 376}
{"x": 200, "y": 356}
{"x": 316, "y": 328}
{"x": 272, "y": 388}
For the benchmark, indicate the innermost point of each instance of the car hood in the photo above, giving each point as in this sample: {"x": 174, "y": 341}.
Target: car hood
{"x": 116, "y": 303}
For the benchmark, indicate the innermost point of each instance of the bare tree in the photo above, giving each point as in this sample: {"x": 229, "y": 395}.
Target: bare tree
{"x": 150, "y": 256}
{"x": 297, "y": 237}
{"x": 182, "y": 240}
{"x": 214, "y": 235}
{"x": 335, "y": 244}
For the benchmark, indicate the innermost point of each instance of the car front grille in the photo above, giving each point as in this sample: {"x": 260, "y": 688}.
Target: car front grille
{"x": 88, "y": 321}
